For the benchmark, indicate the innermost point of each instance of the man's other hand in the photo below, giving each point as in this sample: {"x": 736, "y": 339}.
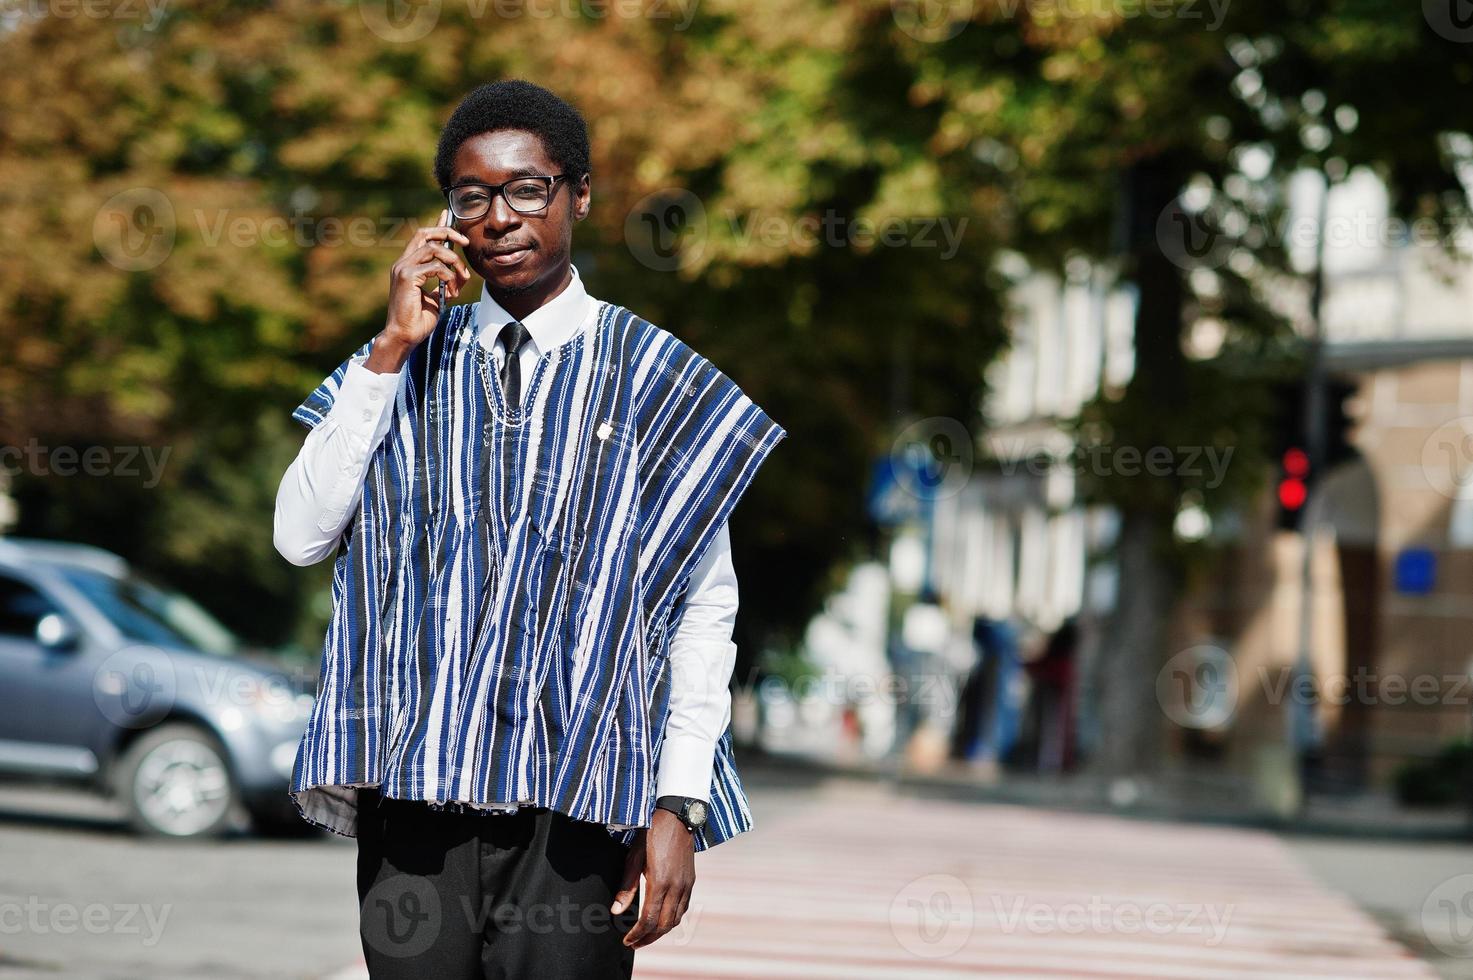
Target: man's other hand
{"x": 665, "y": 854}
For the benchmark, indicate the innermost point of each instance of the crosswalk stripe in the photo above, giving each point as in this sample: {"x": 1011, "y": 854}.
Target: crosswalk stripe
{"x": 900, "y": 887}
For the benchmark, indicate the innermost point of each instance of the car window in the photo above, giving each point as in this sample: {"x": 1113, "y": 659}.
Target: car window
{"x": 149, "y": 614}
{"x": 21, "y": 608}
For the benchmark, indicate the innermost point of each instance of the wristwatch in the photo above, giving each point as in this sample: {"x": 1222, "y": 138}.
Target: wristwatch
{"x": 691, "y": 811}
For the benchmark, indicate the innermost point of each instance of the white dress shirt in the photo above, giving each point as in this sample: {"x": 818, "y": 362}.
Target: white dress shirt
{"x": 323, "y": 487}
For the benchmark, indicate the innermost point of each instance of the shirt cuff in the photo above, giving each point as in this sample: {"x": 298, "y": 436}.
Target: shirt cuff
{"x": 686, "y": 765}
{"x": 365, "y": 400}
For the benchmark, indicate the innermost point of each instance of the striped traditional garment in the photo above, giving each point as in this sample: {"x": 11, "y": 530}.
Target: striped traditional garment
{"x": 504, "y": 598}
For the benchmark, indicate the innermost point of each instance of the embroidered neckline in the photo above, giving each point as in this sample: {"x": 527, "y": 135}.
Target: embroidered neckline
{"x": 514, "y": 415}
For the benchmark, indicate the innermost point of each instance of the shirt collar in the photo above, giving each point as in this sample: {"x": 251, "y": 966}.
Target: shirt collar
{"x": 550, "y": 325}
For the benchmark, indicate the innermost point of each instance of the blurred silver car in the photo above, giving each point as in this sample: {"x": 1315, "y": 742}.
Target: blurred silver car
{"x": 137, "y": 692}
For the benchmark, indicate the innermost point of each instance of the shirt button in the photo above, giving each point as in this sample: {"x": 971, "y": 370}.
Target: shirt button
{"x": 367, "y": 416}
{"x": 374, "y": 395}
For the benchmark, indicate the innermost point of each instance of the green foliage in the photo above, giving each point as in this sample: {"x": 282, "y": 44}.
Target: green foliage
{"x": 249, "y": 142}
{"x": 1443, "y": 780}
{"x": 271, "y": 131}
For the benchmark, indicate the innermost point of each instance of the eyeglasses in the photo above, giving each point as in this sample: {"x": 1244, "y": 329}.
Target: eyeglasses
{"x": 524, "y": 195}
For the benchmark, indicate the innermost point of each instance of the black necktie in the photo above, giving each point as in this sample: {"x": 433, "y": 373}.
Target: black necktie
{"x": 513, "y": 337}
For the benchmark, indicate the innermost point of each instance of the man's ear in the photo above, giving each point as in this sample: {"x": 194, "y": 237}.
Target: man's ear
{"x": 582, "y": 198}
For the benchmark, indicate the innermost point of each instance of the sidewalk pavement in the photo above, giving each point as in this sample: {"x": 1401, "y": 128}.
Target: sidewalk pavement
{"x": 859, "y": 883}
{"x": 1176, "y": 796}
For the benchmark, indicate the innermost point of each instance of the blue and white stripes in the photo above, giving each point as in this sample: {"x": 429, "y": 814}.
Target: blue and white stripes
{"x": 505, "y": 595}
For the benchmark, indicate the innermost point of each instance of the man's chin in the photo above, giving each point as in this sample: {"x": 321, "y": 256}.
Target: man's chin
{"x": 513, "y": 282}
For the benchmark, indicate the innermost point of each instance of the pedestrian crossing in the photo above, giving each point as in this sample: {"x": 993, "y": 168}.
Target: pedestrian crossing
{"x": 876, "y": 886}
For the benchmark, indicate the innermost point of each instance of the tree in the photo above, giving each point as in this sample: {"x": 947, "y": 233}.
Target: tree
{"x": 1101, "y": 120}
{"x": 198, "y": 218}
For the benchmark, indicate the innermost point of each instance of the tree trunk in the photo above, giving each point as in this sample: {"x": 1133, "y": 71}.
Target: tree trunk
{"x": 1132, "y": 647}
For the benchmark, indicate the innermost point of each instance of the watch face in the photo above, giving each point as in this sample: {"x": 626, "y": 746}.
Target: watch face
{"x": 696, "y": 813}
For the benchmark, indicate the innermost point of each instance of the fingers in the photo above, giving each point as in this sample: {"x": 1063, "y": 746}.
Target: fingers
{"x": 629, "y": 886}
{"x": 433, "y": 250}
{"x": 647, "y": 929}
{"x": 664, "y": 909}
{"x": 451, "y": 277}
{"x": 434, "y": 233}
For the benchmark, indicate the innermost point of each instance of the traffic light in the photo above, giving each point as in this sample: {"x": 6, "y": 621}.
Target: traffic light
{"x": 1293, "y": 491}
{"x": 1289, "y": 444}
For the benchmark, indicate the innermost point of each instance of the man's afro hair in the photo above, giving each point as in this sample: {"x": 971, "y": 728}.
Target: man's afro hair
{"x": 515, "y": 104}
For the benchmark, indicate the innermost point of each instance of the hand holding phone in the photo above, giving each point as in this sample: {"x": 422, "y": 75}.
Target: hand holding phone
{"x": 413, "y": 312}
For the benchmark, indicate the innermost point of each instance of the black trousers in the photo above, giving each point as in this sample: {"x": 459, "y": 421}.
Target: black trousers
{"x": 488, "y": 895}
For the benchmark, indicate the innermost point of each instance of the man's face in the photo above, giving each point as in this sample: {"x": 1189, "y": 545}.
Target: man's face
{"x": 518, "y": 253}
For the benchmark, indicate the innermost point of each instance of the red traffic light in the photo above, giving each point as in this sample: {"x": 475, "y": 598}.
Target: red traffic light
{"x": 1292, "y": 493}
{"x": 1296, "y": 463}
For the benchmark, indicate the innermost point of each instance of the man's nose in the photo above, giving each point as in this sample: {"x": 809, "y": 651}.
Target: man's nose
{"x": 501, "y": 217}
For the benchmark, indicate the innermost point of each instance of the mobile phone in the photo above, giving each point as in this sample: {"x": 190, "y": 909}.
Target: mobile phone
{"x": 450, "y": 244}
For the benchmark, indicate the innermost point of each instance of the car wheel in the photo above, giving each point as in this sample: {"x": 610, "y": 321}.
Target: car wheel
{"x": 175, "y": 782}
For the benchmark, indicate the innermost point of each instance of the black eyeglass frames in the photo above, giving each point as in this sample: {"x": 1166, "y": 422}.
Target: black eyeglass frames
{"x": 524, "y": 195}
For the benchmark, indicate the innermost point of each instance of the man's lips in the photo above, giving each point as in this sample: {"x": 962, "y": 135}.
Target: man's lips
{"x": 507, "y": 254}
